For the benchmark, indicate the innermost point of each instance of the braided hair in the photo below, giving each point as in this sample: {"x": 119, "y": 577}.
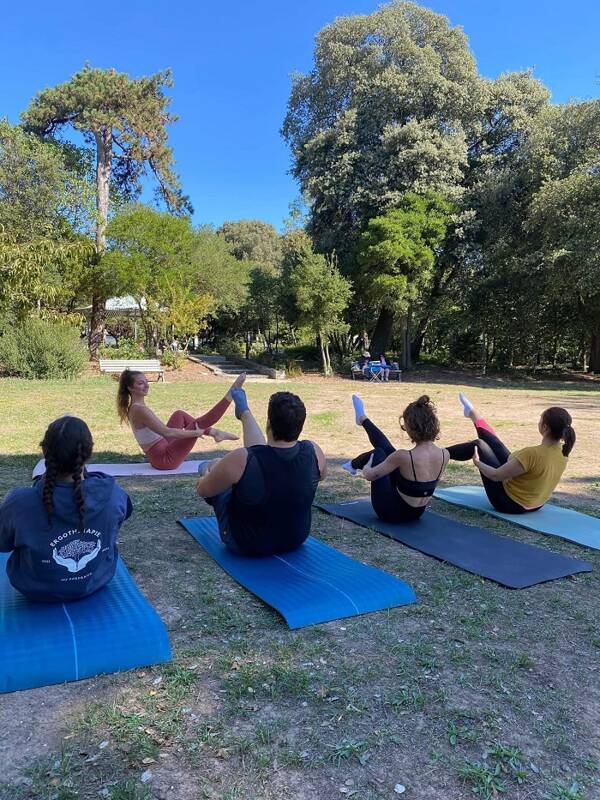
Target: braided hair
{"x": 67, "y": 445}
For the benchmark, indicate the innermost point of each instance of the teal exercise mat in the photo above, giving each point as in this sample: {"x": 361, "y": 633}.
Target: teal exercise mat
{"x": 550, "y": 519}
{"x": 508, "y": 562}
{"x": 312, "y": 584}
{"x": 112, "y": 630}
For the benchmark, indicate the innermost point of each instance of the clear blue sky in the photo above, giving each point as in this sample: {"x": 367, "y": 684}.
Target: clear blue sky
{"x": 232, "y": 64}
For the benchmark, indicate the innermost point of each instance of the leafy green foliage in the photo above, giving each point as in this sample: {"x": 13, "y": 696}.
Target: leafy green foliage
{"x": 44, "y": 269}
{"x": 43, "y": 185}
{"x": 127, "y": 348}
{"x": 397, "y": 250}
{"x": 388, "y": 107}
{"x": 178, "y": 275}
{"x": 321, "y": 294}
{"x": 38, "y": 349}
{"x": 253, "y": 240}
{"x": 176, "y": 360}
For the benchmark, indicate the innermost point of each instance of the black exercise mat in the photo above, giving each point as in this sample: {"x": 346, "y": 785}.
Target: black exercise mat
{"x": 498, "y": 558}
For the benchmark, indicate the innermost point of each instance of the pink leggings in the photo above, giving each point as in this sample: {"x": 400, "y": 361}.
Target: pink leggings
{"x": 169, "y": 453}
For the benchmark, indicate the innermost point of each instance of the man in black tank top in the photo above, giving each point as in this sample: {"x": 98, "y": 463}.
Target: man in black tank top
{"x": 262, "y": 493}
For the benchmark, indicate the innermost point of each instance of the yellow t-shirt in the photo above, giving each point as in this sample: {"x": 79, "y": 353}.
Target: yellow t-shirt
{"x": 544, "y": 466}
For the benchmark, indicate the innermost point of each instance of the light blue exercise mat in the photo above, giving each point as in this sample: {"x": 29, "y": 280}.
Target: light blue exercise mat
{"x": 312, "y": 584}
{"x": 550, "y": 519}
{"x": 44, "y": 643}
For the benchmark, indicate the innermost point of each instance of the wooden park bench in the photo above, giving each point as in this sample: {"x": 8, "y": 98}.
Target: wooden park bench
{"x": 119, "y": 365}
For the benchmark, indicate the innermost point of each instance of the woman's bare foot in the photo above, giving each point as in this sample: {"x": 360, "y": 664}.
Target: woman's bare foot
{"x": 237, "y": 384}
{"x": 221, "y": 436}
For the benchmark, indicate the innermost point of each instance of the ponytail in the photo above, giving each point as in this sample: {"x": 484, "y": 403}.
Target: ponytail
{"x": 126, "y": 380}
{"x": 67, "y": 445}
{"x": 568, "y": 438}
{"x": 558, "y": 421}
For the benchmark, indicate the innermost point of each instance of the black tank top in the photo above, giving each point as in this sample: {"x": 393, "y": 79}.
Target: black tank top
{"x": 417, "y": 488}
{"x": 270, "y": 507}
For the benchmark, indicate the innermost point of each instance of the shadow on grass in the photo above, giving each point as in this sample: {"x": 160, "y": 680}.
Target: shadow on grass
{"x": 575, "y": 382}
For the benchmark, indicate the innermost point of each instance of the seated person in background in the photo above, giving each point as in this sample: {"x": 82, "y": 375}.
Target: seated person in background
{"x": 62, "y": 532}
{"x": 519, "y": 482}
{"x": 385, "y": 367}
{"x": 262, "y": 493}
{"x": 364, "y": 362}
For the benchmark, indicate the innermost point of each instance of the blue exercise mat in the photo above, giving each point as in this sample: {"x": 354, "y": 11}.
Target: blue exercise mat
{"x": 44, "y": 643}
{"x": 511, "y": 563}
{"x": 550, "y": 519}
{"x": 312, "y": 584}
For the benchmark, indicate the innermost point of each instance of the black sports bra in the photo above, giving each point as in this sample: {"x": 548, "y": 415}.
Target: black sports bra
{"x": 417, "y": 488}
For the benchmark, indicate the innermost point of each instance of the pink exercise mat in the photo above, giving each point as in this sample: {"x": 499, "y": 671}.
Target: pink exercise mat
{"x": 123, "y": 470}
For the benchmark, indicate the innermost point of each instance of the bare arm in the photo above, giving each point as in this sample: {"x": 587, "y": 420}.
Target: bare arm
{"x": 145, "y": 417}
{"x": 391, "y": 463}
{"x": 321, "y": 460}
{"x": 512, "y": 469}
{"x": 226, "y": 472}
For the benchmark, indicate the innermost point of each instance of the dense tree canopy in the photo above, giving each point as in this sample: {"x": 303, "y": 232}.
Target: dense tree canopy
{"x": 462, "y": 211}
{"x": 253, "y": 240}
{"x": 389, "y": 107}
{"x": 178, "y": 275}
{"x": 394, "y": 107}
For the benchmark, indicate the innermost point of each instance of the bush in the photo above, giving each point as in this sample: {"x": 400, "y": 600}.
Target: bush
{"x": 293, "y": 369}
{"x": 128, "y": 348}
{"x": 38, "y": 349}
{"x": 169, "y": 358}
{"x": 229, "y": 347}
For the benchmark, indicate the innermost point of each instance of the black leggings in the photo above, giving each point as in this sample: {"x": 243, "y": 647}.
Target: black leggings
{"x": 493, "y": 453}
{"x": 387, "y": 503}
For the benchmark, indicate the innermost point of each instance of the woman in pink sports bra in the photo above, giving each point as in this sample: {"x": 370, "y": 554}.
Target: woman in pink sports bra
{"x": 166, "y": 446}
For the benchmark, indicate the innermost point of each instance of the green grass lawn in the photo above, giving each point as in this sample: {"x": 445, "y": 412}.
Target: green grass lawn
{"x": 476, "y": 691}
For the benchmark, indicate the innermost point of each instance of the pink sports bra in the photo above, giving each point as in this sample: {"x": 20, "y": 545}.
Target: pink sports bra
{"x": 146, "y": 437}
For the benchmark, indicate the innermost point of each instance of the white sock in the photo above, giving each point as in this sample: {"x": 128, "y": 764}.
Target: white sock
{"x": 349, "y": 468}
{"x": 359, "y": 408}
{"x": 466, "y": 403}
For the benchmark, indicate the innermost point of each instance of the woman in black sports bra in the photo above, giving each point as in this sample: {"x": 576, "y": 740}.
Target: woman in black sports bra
{"x": 402, "y": 481}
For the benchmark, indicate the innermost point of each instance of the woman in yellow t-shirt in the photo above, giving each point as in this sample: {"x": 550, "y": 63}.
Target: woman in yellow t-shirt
{"x": 523, "y": 481}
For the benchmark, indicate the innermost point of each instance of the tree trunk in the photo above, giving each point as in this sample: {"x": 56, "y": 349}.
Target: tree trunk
{"x": 103, "y": 169}
{"x": 323, "y": 353}
{"x": 406, "y": 354}
{"x": 595, "y": 353}
{"x": 485, "y": 353}
{"x": 407, "y": 330}
{"x": 382, "y": 333}
{"x": 416, "y": 343}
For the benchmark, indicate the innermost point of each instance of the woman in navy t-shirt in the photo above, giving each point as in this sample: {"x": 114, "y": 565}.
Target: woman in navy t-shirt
{"x": 62, "y": 532}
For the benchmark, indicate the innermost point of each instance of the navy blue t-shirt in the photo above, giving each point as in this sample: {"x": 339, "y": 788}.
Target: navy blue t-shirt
{"x": 55, "y": 560}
